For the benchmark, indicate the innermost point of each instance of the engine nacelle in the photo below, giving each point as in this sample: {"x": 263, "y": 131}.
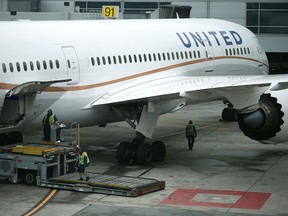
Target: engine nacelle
{"x": 269, "y": 123}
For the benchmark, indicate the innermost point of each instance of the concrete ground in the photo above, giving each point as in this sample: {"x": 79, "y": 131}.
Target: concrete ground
{"x": 225, "y": 174}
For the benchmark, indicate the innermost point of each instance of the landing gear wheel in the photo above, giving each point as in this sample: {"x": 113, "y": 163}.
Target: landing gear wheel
{"x": 3, "y": 139}
{"x": 30, "y": 177}
{"x": 14, "y": 137}
{"x": 158, "y": 151}
{"x": 144, "y": 154}
{"x": 124, "y": 153}
{"x": 229, "y": 114}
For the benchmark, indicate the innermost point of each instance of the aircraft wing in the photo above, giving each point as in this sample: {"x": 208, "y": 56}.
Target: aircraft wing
{"x": 241, "y": 91}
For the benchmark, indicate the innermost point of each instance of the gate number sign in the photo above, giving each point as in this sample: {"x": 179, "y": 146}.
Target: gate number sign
{"x": 110, "y": 11}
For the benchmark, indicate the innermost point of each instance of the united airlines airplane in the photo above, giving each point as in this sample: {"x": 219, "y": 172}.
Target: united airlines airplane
{"x": 98, "y": 72}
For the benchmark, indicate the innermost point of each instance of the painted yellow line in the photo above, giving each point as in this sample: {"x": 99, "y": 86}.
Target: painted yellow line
{"x": 183, "y": 131}
{"x": 42, "y": 203}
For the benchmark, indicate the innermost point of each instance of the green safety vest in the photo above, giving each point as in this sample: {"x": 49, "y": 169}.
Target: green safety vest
{"x": 51, "y": 119}
{"x": 190, "y": 130}
{"x": 82, "y": 159}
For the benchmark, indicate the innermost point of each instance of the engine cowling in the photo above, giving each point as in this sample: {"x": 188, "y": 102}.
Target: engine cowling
{"x": 270, "y": 121}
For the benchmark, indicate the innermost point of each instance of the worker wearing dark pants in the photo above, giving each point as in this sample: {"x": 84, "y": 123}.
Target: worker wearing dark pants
{"x": 191, "y": 133}
{"x": 47, "y": 121}
{"x": 82, "y": 162}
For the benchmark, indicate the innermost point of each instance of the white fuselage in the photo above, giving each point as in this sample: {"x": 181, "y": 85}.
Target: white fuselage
{"x": 105, "y": 55}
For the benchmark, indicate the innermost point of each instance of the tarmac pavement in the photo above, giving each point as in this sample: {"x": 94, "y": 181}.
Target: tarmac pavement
{"x": 225, "y": 174}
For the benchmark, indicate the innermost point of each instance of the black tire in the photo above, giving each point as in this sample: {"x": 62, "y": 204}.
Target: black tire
{"x": 30, "y": 177}
{"x": 3, "y": 139}
{"x": 229, "y": 115}
{"x": 158, "y": 151}
{"x": 124, "y": 153}
{"x": 144, "y": 154}
{"x": 14, "y": 137}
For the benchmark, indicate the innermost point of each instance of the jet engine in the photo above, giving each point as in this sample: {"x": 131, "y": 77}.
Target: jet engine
{"x": 270, "y": 121}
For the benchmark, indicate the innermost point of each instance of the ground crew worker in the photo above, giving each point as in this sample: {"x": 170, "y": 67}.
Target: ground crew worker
{"x": 82, "y": 162}
{"x": 47, "y": 121}
{"x": 191, "y": 133}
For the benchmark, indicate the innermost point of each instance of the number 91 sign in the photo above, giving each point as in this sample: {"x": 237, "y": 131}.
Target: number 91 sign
{"x": 110, "y": 11}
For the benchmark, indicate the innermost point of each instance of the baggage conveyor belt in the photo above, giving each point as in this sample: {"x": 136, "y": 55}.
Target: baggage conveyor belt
{"x": 106, "y": 184}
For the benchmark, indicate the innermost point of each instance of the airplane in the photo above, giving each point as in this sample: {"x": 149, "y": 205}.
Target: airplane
{"x": 103, "y": 71}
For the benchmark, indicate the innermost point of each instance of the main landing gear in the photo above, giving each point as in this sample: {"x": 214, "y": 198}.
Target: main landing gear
{"x": 229, "y": 113}
{"x": 140, "y": 151}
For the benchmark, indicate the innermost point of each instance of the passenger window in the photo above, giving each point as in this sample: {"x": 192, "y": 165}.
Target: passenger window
{"x": 164, "y": 57}
{"x": 68, "y": 63}
{"x": 190, "y": 55}
{"x": 135, "y": 58}
{"x": 159, "y": 56}
{"x": 98, "y": 61}
{"x": 51, "y": 64}
{"x": 181, "y": 54}
{"x": 230, "y": 51}
{"x": 125, "y": 59}
{"x": 31, "y": 66}
{"x": 199, "y": 54}
{"x": 103, "y": 60}
{"x": 4, "y": 68}
{"x": 145, "y": 58}
{"x": 38, "y": 65}
{"x": 92, "y": 61}
{"x": 25, "y": 66}
{"x": 248, "y": 50}
{"x": 186, "y": 55}
{"x": 44, "y": 65}
{"x": 18, "y": 66}
{"x": 154, "y": 56}
{"x": 149, "y": 57}
{"x": 140, "y": 58}
{"x": 57, "y": 64}
{"x": 194, "y": 52}
{"x": 245, "y": 51}
{"x": 109, "y": 60}
{"x": 177, "y": 55}
{"x": 120, "y": 59}
{"x": 226, "y": 52}
{"x": 114, "y": 59}
{"x": 173, "y": 56}
{"x": 168, "y": 56}
{"x": 11, "y": 67}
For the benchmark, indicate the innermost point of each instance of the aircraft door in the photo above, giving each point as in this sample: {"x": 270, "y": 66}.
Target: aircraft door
{"x": 73, "y": 70}
{"x": 261, "y": 55}
{"x": 209, "y": 55}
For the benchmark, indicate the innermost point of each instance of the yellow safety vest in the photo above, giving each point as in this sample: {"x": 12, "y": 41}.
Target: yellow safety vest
{"x": 51, "y": 119}
{"x": 82, "y": 158}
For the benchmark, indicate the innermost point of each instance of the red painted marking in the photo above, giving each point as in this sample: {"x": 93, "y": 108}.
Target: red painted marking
{"x": 19, "y": 161}
{"x": 248, "y": 200}
{"x": 252, "y": 200}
